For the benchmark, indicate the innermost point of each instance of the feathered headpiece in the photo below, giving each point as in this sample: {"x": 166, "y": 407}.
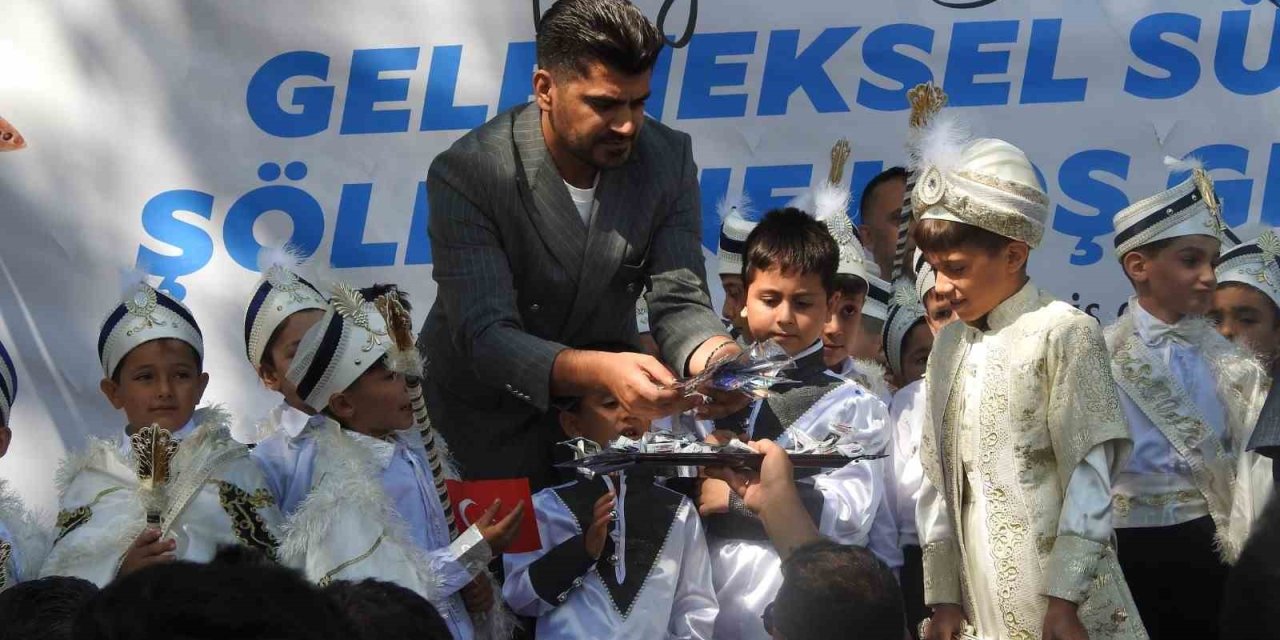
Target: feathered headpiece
{"x": 1190, "y": 208}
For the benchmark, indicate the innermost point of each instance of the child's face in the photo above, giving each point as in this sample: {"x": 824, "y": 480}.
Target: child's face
{"x": 868, "y": 345}
{"x": 159, "y": 382}
{"x": 377, "y": 404}
{"x": 840, "y": 333}
{"x": 790, "y": 308}
{"x": 915, "y": 353}
{"x": 600, "y": 418}
{"x": 1247, "y": 316}
{"x": 974, "y": 281}
{"x": 279, "y": 356}
{"x": 735, "y": 296}
{"x": 1179, "y": 278}
{"x": 937, "y": 311}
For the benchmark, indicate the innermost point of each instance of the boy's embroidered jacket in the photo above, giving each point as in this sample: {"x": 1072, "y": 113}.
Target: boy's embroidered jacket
{"x": 216, "y": 496}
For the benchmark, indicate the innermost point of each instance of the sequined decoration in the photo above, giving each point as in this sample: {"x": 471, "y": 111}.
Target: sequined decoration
{"x": 929, "y": 189}
{"x": 71, "y": 519}
{"x": 1204, "y": 184}
{"x": 142, "y": 304}
{"x": 282, "y": 279}
{"x": 839, "y": 156}
{"x": 352, "y": 306}
{"x": 247, "y": 524}
{"x": 926, "y": 100}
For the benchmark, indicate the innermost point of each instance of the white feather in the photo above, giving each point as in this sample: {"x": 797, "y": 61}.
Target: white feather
{"x": 287, "y": 256}
{"x": 941, "y": 143}
{"x": 1189, "y": 163}
{"x": 130, "y": 278}
{"x": 804, "y": 202}
{"x": 830, "y": 200}
{"x": 739, "y": 202}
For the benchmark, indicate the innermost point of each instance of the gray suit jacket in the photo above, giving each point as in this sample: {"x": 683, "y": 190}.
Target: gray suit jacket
{"x": 520, "y": 278}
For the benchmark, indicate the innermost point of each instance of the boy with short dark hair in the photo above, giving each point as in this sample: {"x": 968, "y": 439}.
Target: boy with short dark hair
{"x": 118, "y": 514}
{"x": 1191, "y": 399}
{"x": 24, "y": 541}
{"x": 45, "y": 608}
{"x": 791, "y": 267}
{"x": 622, "y": 556}
{"x": 1024, "y": 427}
{"x": 1246, "y": 304}
{"x": 284, "y": 305}
{"x": 360, "y": 493}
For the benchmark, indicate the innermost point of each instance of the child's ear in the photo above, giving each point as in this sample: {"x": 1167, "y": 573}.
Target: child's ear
{"x": 1018, "y": 253}
{"x": 569, "y": 424}
{"x": 269, "y": 376}
{"x": 341, "y": 406}
{"x": 1135, "y": 266}
{"x": 5, "y": 436}
{"x": 111, "y": 390}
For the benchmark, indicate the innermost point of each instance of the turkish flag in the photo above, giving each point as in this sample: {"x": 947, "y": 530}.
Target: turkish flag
{"x": 472, "y": 497}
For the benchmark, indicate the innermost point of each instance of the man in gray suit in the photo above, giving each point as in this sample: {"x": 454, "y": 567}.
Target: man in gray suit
{"x": 546, "y": 223}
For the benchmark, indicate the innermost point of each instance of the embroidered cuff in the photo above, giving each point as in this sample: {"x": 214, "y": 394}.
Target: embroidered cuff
{"x": 555, "y": 575}
{"x": 472, "y": 551}
{"x": 1072, "y": 566}
{"x": 941, "y": 561}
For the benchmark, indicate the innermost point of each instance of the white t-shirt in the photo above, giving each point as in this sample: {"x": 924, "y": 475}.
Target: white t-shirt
{"x": 583, "y": 199}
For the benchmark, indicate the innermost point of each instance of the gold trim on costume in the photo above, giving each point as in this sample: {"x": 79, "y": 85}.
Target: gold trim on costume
{"x": 242, "y": 507}
{"x": 71, "y": 519}
{"x": 328, "y": 577}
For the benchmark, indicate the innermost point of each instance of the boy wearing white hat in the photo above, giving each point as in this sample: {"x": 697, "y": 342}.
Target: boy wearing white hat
{"x": 737, "y": 219}
{"x": 284, "y": 305}
{"x": 357, "y": 483}
{"x": 173, "y": 484}
{"x": 1024, "y": 426}
{"x": 1246, "y": 304}
{"x": 24, "y": 541}
{"x": 1191, "y": 399}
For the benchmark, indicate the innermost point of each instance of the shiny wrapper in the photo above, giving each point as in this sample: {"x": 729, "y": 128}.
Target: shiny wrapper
{"x": 752, "y": 372}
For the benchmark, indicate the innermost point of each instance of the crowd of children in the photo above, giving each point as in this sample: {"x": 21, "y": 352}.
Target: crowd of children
{"x": 1040, "y": 470}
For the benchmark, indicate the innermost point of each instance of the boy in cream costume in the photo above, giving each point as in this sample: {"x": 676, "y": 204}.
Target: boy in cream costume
{"x": 356, "y": 484}
{"x": 24, "y": 542}
{"x": 1025, "y": 429}
{"x": 1191, "y": 399}
{"x": 151, "y": 352}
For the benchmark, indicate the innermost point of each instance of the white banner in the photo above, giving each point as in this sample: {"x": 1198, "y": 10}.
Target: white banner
{"x": 184, "y": 135}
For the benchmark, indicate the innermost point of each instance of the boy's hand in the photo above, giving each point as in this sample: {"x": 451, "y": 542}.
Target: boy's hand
{"x": 147, "y": 549}
{"x": 601, "y": 516}
{"x": 723, "y": 436}
{"x": 1062, "y": 621}
{"x": 500, "y": 535}
{"x": 478, "y": 595}
{"x": 713, "y": 497}
{"x": 947, "y": 622}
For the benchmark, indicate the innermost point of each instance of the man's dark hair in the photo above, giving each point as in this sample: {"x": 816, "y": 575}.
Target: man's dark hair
{"x": 892, "y": 173}
{"x": 851, "y": 286}
{"x": 1253, "y": 586}
{"x": 793, "y": 242}
{"x": 379, "y": 610}
{"x": 230, "y": 599}
{"x": 946, "y": 235}
{"x": 574, "y": 33}
{"x": 376, "y": 290}
{"x": 832, "y": 591}
{"x": 43, "y": 608}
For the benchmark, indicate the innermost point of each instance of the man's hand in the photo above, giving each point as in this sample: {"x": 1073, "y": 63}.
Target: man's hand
{"x": 772, "y": 495}
{"x": 723, "y": 436}
{"x": 639, "y": 382}
{"x": 713, "y": 497}
{"x": 500, "y": 535}
{"x": 601, "y": 516}
{"x": 721, "y": 403}
{"x": 147, "y": 549}
{"x": 478, "y": 595}
{"x": 1062, "y": 621}
{"x": 947, "y": 622}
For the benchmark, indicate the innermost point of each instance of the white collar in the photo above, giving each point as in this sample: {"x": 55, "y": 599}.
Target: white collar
{"x": 810, "y": 351}
{"x": 292, "y": 420}
{"x": 1152, "y": 330}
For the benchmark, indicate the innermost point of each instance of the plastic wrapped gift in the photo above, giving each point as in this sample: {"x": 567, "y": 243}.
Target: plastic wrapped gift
{"x": 752, "y": 372}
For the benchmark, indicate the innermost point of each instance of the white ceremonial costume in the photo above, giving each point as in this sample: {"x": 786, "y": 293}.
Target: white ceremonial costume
{"x": 1191, "y": 399}
{"x": 363, "y": 507}
{"x": 653, "y": 579}
{"x": 870, "y": 375}
{"x": 216, "y": 496}
{"x": 1025, "y": 433}
{"x": 908, "y": 416}
{"x": 24, "y": 540}
{"x": 1024, "y": 426}
{"x": 849, "y": 505}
